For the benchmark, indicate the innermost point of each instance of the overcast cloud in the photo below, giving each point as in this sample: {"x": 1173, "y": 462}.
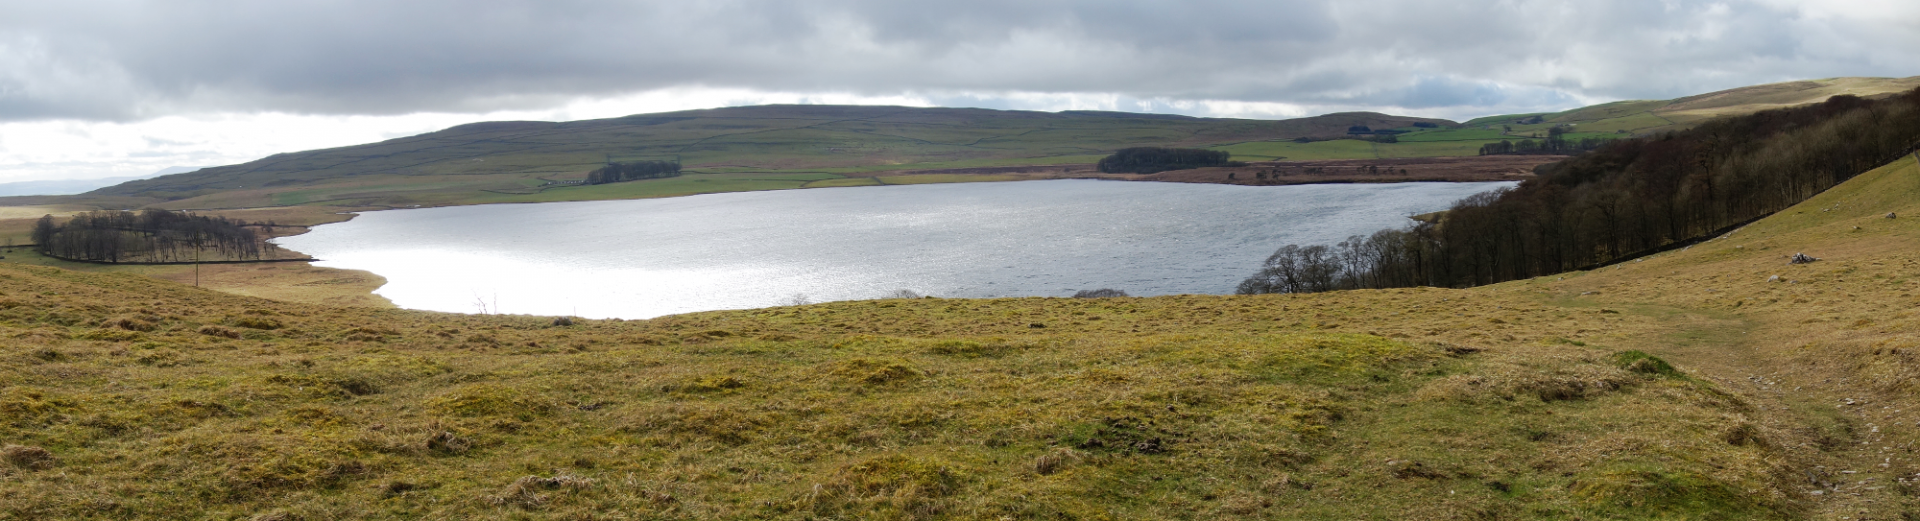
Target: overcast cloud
{"x": 100, "y": 88}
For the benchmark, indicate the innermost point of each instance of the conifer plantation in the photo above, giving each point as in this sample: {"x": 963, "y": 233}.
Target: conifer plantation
{"x": 1622, "y": 200}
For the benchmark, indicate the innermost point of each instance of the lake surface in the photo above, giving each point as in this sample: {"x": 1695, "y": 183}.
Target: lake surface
{"x": 652, "y": 257}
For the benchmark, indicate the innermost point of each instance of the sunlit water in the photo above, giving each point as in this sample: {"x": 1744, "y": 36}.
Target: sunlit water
{"x": 652, "y": 257}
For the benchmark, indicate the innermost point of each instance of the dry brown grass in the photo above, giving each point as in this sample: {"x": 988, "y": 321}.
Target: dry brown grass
{"x": 917, "y": 408}
{"x": 285, "y": 281}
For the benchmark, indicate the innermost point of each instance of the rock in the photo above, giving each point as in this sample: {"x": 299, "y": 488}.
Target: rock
{"x": 1802, "y": 258}
{"x": 1889, "y": 215}
{"x": 1775, "y": 278}
{"x": 563, "y": 321}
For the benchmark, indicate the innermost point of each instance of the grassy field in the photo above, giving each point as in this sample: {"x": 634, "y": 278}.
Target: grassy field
{"x": 285, "y": 281}
{"x": 1688, "y": 385}
{"x": 1180, "y": 407}
{"x": 1461, "y": 134}
{"x": 1276, "y": 150}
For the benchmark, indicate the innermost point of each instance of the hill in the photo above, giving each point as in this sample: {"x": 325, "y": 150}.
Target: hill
{"x": 726, "y": 149}
{"x": 1641, "y": 117}
{"x": 799, "y": 146}
{"x": 1716, "y": 382}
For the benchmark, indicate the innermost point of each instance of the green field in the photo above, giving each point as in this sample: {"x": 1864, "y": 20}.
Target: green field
{"x": 1461, "y": 134}
{"x": 1318, "y": 150}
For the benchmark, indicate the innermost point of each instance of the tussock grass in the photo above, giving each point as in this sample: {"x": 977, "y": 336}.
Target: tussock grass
{"x": 156, "y": 399}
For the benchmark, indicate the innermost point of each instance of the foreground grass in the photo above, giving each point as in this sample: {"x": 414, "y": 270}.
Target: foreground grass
{"x": 1689, "y": 385}
{"x": 153, "y": 399}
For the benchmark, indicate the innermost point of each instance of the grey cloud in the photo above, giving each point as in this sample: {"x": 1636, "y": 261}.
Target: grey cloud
{"x": 135, "y": 59}
{"x": 156, "y": 142}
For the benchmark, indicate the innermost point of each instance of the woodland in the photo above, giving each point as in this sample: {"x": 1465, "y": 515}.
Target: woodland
{"x": 149, "y": 236}
{"x": 1624, "y": 199}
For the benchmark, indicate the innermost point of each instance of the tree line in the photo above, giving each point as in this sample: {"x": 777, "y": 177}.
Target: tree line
{"x": 148, "y": 236}
{"x": 617, "y": 172}
{"x": 1147, "y": 160}
{"x": 1623, "y": 199}
{"x": 1556, "y": 143}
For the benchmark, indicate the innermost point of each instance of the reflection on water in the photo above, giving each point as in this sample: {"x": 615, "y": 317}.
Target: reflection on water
{"x": 646, "y": 258}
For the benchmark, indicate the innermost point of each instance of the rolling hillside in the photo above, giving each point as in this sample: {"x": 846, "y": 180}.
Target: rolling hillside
{"x": 1638, "y": 117}
{"x": 722, "y": 149}
{"x": 802, "y": 146}
{"x": 1717, "y": 382}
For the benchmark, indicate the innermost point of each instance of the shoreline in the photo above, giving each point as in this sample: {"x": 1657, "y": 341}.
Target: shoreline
{"x": 1365, "y": 210}
{"x": 286, "y": 280}
{"x": 1420, "y": 170}
{"x": 302, "y": 281}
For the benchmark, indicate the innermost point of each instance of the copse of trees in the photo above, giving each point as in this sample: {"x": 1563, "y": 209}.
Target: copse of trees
{"x": 1147, "y": 160}
{"x": 1554, "y": 144}
{"x": 1623, "y": 199}
{"x": 632, "y": 171}
{"x": 147, "y": 236}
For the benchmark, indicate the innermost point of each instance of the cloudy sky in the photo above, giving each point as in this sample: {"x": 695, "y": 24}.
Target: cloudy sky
{"x": 111, "y": 88}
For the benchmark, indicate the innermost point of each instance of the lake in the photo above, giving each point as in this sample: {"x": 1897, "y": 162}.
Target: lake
{"x": 651, "y": 257}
